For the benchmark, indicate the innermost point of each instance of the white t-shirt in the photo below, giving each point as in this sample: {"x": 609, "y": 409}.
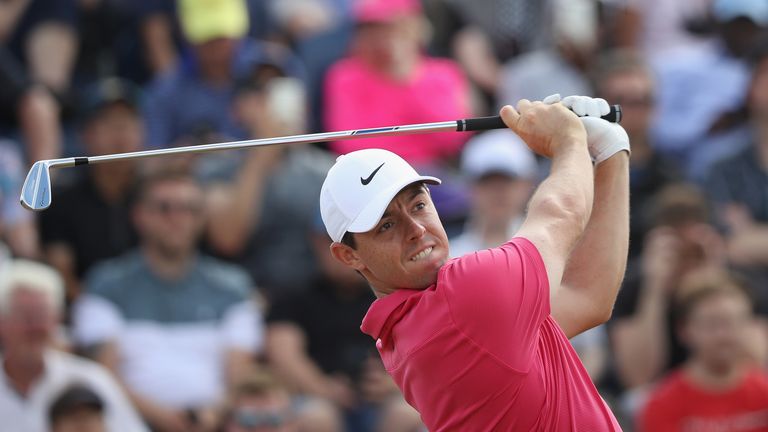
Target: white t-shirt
{"x": 30, "y": 414}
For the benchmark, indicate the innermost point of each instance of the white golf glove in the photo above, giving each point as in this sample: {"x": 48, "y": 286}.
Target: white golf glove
{"x": 604, "y": 138}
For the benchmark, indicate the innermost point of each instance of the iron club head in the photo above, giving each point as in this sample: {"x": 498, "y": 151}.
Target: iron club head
{"x": 36, "y": 192}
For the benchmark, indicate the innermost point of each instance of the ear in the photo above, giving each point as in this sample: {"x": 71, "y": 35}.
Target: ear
{"x": 347, "y": 256}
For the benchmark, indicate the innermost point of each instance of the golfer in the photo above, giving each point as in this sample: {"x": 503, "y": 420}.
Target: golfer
{"x": 480, "y": 343}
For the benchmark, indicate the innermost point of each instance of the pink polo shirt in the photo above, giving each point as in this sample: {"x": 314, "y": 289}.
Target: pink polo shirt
{"x": 358, "y": 97}
{"x": 479, "y": 350}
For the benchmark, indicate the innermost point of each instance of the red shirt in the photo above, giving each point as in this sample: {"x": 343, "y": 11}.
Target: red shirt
{"x": 679, "y": 405}
{"x": 358, "y": 97}
{"x": 479, "y": 351}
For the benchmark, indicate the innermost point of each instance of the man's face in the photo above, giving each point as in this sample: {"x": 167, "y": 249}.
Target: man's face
{"x": 498, "y": 198}
{"x": 717, "y": 329}
{"x": 405, "y": 249}
{"x": 28, "y": 324}
{"x": 116, "y": 129}
{"x": 635, "y": 93}
{"x": 170, "y": 217}
{"x": 385, "y": 45}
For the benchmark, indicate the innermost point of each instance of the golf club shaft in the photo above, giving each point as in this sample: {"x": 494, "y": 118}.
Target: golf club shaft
{"x": 464, "y": 125}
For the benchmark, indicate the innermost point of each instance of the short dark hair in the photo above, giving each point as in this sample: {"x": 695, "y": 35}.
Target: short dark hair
{"x": 704, "y": 284}
{"x": 148, "y": 181}
{"x": 349, "y": 239}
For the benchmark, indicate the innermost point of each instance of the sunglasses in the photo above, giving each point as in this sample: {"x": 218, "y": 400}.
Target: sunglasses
{"x": 254, "y": 419}
{"x": 168, "y": 207}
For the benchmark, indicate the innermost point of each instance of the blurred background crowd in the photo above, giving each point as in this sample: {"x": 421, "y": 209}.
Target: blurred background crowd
{"x": 196, "y": 293}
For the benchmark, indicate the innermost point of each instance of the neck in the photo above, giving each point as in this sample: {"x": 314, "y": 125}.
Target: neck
{"x": 112, "y": 180}
{"x": 715, "y": 377}
{"x": 169, "y": 266}
{"x": 22, "y": 371}
{"x": 494, "y": 234}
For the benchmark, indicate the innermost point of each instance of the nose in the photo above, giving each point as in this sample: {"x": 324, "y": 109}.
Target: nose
{"x": 415, "y": 229}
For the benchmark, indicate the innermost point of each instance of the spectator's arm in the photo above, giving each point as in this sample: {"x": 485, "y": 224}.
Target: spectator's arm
{"x": 596, "y": 266}
{"x": 38, "y": 114}
{"x": 61, "y": 257}
{"x": 472, "y": 48}
{"x": 51, "y": 51}
{"x": 22, "y": 238}
{"x": 235, "y": 210}
{"x": 10, "y": 11}
{"x": 640, "y": 341}
{"x": 287, "y": 352}
{"x": 746, "y": 244}
{"x": 157, "y": 35}
{"x": 628, "y": 24}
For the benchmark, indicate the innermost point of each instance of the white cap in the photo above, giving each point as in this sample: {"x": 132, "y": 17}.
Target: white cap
{"x": 498, "y": 151}
{"x": 755, "y": 10}
{"x": 360, "y": 186}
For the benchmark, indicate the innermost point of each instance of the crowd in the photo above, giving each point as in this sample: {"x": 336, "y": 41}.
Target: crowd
{"x": 197, "y": 293}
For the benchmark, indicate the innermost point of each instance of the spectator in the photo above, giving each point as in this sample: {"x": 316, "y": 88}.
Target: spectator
{"x": 483, "y": 35}
{"x": 90, "y": 221}
{"x": 29, "y": 107}
{"x": 316, "y": 347}
{"x": 642, "y": 328}
{"x": 623, "y": 78}
{"x": 77, "y": 409}
{"x": 738, "y": 184}
{"x": 387, "y": 65}
{"x": 175, "y": 326}
{"x": 561, "y": 68}
{"x": 17, "y": 227}
{"x": 702, "y": 92}
{"x": 42, "y": 35}
{"x": 501, "y": 171}
{"x": 719, "y": 387}
{"x": 259, "y": 403}
{"x": 32, "y": 372}
{"x": 196, "y": 97}
{"x": 261, "y": 218}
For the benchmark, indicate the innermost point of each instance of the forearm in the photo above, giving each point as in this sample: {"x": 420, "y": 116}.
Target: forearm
{"x": 641, "y": 341}
{"x": 748, "y": 246}
{"x": 235, "y": 213}
{"x": 51, "y": 50}
{"x": 597, "y": 264}
{"x": 158, "y": 40}
{"x": 302, "y": 374}
{"x": 566, "y": 195}
{"x": 39, "y": 121}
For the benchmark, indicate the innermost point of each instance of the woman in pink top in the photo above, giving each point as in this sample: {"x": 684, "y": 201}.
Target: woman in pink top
{"x": 387, "y": 80}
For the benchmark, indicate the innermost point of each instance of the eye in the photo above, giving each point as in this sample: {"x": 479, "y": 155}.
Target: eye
{"x": 420, "y": 206}
{"x": 385, "y": 226}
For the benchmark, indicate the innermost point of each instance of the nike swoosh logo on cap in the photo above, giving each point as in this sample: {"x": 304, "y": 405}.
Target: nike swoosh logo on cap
{"x": 365, "y": 181}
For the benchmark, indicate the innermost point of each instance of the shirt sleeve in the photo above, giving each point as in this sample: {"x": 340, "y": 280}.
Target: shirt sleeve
{"x": 243, "y": 328}
{"x": 500, "y": 298}
{"x": 95, "y": 320}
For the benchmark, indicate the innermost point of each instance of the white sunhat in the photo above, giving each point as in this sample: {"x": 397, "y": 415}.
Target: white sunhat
{"x": 360, "y": 186}
{"x": 498, "y": 151}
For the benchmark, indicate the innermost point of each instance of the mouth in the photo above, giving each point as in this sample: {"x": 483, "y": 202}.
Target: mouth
{"x": 423, "y": 254}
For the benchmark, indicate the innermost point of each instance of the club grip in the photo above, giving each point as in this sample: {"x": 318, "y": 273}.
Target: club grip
{"x": 495, "y": 122}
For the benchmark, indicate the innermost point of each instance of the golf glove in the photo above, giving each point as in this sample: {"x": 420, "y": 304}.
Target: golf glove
{"x": 604, "y": 138}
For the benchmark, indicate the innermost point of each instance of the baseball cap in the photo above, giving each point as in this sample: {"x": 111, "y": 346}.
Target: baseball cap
{"x": 108, "y": 91}
{"x": 369, "y": 11}
{"x": 755, "y": 10}
{"x": 204, "y": 20}
{"x": 72, "y": 398}
{"x": 360, "y": 186}
{"x": 498, "y": 152}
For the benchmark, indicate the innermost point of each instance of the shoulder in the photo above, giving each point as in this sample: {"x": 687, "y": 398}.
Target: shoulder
{"x": 225, "y": 277}
{"x": 346, "y": 69}
{"x": 78, "y": 368}
{"x": 114, "y": 275}
{"x": 670, "y": 388}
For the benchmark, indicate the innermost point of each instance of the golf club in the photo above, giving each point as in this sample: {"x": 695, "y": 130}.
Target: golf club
{"x": 36, "y": 192}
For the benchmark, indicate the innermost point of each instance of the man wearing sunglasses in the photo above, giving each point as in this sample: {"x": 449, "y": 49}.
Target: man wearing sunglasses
{"x": 178, "y": 323}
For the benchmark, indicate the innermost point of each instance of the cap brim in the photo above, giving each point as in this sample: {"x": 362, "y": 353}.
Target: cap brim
{"x": 371, "y": 214}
